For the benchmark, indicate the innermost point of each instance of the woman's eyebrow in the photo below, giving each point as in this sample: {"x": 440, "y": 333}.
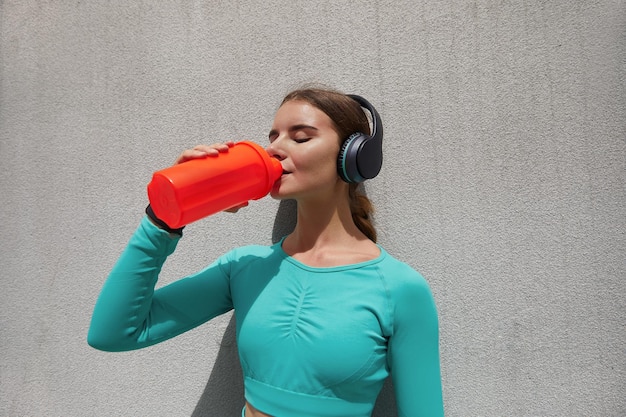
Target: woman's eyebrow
{"x": 293, "y": 128}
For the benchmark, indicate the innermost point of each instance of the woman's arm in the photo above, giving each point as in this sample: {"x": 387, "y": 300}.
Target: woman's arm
{"x": 414, "y": 351}
{"x": 129, "y": 314}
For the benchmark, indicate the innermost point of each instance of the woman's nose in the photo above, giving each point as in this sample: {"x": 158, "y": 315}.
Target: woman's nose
{"x": 274, "y": 150}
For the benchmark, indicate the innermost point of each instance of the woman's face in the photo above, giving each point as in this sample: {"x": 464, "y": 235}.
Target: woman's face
{"x": 304, "y": 140}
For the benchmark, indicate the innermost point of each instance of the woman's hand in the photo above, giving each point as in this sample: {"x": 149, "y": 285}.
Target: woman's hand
{"x": 202, "y": 151}
{"x": 235, "y": 209}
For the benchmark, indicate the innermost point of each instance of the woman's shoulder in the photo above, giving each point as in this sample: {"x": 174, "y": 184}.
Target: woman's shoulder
{"x": 250, "y": 252}
{"x": 250, "y": 259}
{"x": 400, "y": 276}
{"x": 410, "y": 294}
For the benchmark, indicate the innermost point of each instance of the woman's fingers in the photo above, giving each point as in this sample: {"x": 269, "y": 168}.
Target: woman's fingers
{"x": 202, "y": 151}
{"x": 235, "y": 209}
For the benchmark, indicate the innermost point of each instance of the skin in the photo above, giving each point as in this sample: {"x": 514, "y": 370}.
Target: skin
{"x": 304, "y": 140}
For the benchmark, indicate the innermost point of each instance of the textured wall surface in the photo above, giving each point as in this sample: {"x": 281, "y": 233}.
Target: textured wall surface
{"x": 504, "y": 184}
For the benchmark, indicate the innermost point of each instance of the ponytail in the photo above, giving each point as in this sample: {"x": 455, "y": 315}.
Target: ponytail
{"x": 362, "y": 209}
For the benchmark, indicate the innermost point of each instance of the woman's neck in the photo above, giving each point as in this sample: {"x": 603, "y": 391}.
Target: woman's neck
{"x": 324, "y": 222}
{"x": 325, "y": 235}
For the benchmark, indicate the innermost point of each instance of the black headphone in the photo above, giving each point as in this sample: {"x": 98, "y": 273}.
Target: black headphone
{"x": 361, "y": 155}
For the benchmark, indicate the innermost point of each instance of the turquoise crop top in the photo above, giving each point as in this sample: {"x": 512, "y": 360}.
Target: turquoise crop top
{"x": 313, "y": 342}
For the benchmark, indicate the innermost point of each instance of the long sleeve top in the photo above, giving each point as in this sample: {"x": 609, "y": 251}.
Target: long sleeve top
{"x": 313, "y": 342}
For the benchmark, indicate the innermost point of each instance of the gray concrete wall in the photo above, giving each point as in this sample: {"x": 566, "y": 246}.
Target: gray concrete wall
{"x": 504, "y": 184}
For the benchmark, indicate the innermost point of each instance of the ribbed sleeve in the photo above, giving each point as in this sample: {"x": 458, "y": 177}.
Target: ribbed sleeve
{"x": 129, "y": 314}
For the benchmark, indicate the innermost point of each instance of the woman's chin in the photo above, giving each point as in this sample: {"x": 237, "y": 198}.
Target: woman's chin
{"x": 276, "y": 193}
{"x": 281, "y": 193}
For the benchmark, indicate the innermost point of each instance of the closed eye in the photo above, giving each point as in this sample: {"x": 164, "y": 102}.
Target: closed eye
{"x": 302, "y": 140}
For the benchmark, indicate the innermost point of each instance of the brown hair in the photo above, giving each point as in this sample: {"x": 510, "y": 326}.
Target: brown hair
{"x": 348, "y": 118}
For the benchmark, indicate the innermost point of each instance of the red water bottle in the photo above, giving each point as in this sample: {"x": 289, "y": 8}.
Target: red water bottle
{"x": 197, "y": 188}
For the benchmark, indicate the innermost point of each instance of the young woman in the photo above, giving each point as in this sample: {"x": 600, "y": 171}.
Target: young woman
{"x": 323, "y": 317}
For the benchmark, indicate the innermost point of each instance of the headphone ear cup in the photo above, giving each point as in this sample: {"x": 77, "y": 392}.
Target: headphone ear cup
{"x": 347, "y": 164}
{"x": 361, "y": 157}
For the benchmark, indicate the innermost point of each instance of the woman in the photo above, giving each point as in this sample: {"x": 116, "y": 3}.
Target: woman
{"x": 323, "y": 316}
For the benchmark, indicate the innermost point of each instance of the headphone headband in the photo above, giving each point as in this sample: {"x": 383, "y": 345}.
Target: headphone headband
{"x": 377, "y": 124}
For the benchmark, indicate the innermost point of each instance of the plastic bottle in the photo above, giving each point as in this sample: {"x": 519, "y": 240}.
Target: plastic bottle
{"x": 197, "y": 188}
